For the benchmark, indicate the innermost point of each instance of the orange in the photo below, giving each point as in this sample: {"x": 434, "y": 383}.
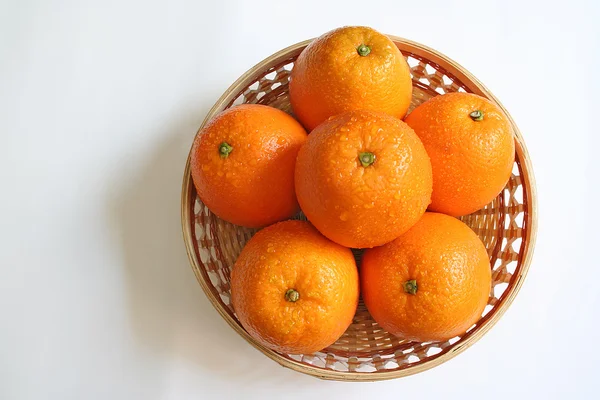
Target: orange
{"x": 363, "y": 178}
{"x": 242, "y": 164}
{"x": 347, "y": 69}
{"x": 472, "y": 150}
{"x": 430, "y": 284}
{"x": 293, "y": 290}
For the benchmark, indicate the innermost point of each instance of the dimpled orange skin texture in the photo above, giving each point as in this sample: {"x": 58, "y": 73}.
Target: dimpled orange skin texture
{"x": 294, "y": 255}
{"x": 472, "y": 160}
{"x": 453, "y": 275}
{"x": 330, "y": 77}
{"x": 254, "y": 185}
{"x": 360, "y": 206}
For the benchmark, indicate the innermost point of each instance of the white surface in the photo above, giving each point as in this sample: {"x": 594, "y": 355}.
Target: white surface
{"x": 99, "y": 102}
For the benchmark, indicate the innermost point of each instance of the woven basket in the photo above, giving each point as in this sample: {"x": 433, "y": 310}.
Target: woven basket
{"x": 366, "y": 352}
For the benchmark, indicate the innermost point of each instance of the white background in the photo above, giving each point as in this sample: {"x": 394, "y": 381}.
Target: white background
{"x": 99, "y": 103}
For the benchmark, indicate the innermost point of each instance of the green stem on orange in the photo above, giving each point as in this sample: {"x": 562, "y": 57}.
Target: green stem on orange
{"x": 410, "y": 286}
{"x": 476, "y": 115}
{"x": 363, "y": 50}
{"x": 366, "y": 158}
{"x": 292, "y": 295}
{"x": 225, "y": 149}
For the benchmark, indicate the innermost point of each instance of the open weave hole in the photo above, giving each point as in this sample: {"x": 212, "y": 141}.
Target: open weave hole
{"x": 365, "y": 347}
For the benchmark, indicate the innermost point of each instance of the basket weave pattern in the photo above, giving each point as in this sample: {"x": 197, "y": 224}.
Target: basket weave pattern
{"x": 366, "y": 351}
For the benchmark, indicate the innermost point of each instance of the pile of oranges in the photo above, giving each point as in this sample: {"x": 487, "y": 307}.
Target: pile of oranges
{"x": 366, "y": 176}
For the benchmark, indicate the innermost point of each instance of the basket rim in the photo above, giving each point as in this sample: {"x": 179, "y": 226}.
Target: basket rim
{"x": 529, "y": 238}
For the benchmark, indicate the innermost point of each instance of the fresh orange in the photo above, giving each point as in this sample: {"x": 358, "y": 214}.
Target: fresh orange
{"x": 363, "y": 178}
{"x": 347, "y": 69}
{"x": 470, "y": 142}
{"x": 293, "y": 290}
{"x": 430, "y": 284}
{"x": 242, "y": 164}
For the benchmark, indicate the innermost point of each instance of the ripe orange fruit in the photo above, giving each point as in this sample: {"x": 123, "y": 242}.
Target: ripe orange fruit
{"x": 293, "y": 290}
{"x": 363, "y": 178}
{"x": 242, "y": 164}
{"x": 472, "y": 150}
{"x": 347, "y": 69}
{"x": 430, "y": 284}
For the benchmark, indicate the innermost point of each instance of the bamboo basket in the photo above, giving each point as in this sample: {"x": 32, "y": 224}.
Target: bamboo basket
{"x": 366, "y": 352}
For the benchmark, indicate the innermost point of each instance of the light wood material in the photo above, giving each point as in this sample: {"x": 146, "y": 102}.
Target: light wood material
{"x": 366, "y": 352}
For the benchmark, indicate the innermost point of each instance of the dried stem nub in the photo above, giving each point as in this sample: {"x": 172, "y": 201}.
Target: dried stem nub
{"x": 363, "y": 50}
{"x": 225, "y": 149}
{"x": 366, "y": 158}
{"x": 292, "y": 295}
{"x": 476, "y": 115}
{"x": 410, "y": 286}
